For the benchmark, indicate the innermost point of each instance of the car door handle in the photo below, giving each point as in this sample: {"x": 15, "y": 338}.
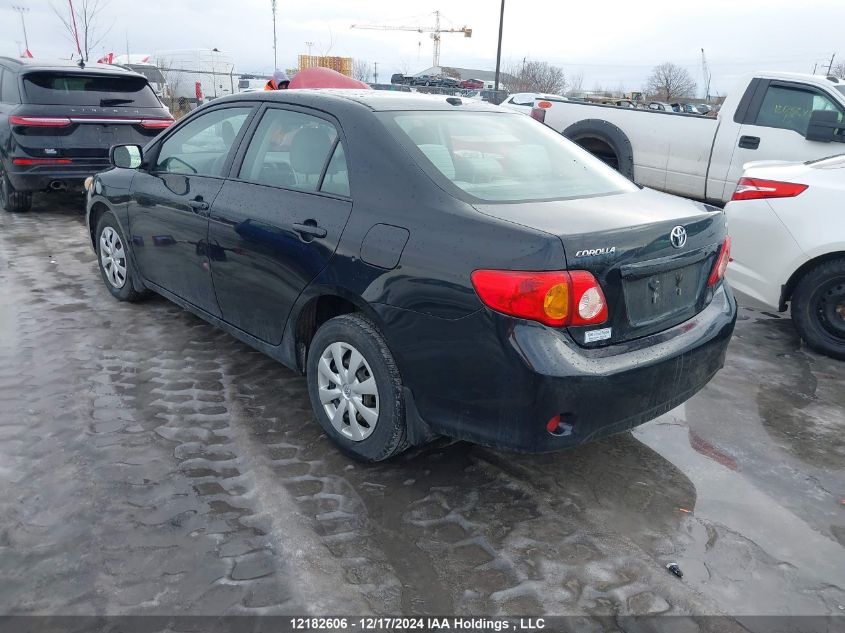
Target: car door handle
{"x": 310, "y": 230}
{"x": 749, "y": 142}
{"x": 199, "y": 205}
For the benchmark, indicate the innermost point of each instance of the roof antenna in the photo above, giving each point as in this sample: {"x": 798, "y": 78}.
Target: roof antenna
{"x": 81, "y": 63}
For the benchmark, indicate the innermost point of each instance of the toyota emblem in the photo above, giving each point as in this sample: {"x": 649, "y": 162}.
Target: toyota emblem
{"x": 678, "y": 237}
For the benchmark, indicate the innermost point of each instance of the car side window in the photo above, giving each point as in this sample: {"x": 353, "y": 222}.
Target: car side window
{"x": 9, "y": 92}
{"x": 789, "y": 108}
{"x": 290, "y": 150}
{"x": 202, "y": 146}
{"x": 336, "y": 180}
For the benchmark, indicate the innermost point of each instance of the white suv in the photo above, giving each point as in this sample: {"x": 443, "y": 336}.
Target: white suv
{"x": 787, "y": 224}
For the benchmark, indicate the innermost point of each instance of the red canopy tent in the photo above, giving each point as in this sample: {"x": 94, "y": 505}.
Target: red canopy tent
{"x": 325, "y": 78}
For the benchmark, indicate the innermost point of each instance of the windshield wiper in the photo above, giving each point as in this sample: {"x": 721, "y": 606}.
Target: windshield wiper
{"x": 111, "y": 102}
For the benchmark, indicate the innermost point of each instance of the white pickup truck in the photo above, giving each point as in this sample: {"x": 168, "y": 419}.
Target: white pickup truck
{"x": 771, "y": 116}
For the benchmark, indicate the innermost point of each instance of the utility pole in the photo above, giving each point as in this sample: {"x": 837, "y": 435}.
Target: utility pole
{"x": 21, "y": 11}
{"x": 375, "y": 72}
{"x": 830, "y": 65}
{"x": 499, "y": 48}
{"x": 275, "y": 55}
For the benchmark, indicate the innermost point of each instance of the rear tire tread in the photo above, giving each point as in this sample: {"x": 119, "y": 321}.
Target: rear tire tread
{"x": 803, "y": 309}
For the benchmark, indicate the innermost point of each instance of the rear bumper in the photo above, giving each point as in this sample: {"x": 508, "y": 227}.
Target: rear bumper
{"x": 497, "y": 381}
{"x": 39, "y": 177}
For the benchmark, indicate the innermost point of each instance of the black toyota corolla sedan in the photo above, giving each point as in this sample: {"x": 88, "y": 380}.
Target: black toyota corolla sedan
{"x": 434, "y": 266}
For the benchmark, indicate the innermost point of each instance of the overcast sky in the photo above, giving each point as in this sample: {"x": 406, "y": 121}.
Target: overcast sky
{"x": 612, "y": 42}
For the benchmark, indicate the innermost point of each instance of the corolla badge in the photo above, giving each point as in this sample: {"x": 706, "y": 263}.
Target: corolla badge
{"x": 592, "y": 252}
{"x": 678, "y": 237}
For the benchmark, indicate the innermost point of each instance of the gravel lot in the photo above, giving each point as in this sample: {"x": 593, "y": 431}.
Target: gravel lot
{"x": 150, "y": 464}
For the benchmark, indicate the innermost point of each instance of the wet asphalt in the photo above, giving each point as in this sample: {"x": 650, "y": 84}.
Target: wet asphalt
{"x": 151, "y": 464}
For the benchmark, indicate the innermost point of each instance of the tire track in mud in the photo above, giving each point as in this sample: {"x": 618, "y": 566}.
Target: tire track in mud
{"x": 198, "y": 440}
{"x": 152, "y": 464}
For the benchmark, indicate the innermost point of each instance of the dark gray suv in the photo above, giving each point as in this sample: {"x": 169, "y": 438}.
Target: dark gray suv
{"x": 58, "y": 121}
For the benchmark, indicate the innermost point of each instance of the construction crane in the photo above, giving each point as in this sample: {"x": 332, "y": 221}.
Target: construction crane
{"x": 435, "y": 31}
{"x": 705, "y": 76}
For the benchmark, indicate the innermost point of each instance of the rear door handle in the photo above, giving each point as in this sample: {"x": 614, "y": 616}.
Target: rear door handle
{"x": 309, "y": 230}
{"x": 199, "y": 205}
{"x": 749, "y": 142}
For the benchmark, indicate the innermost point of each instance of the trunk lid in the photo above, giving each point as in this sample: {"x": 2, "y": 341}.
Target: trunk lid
{"x": 90, "y": 112}
{"x": 625, "y": 241}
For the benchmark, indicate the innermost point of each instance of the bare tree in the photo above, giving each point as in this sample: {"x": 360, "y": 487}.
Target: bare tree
{"x": 534, "y": 76}
{"x": 668, "y": 81}
{"x": 838, "y": 70}
{"x": 576, "y": 83}
{"x": 92, "y": 32}
{"x": 451, "y": 72}
{"x": 361, "y": 70}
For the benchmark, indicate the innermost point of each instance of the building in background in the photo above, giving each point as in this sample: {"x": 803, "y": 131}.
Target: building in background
{"x": 343, "y": 65}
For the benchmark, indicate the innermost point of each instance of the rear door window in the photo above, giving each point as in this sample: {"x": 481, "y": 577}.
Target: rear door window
{"x": 789, "y": 108}
{"x": 290, "y": 150}
{"x": 52, "y": 88}
{"x": 202, "y": 146}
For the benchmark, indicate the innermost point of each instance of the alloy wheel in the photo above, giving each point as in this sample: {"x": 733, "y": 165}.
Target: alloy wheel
{"x": 348, "y": 391}
{"x": 113, "y": 257}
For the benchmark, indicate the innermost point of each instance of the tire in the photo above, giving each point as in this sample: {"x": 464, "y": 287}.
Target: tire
{"x": 818, "y": 308}
{"x": 615, "y": 146}
{"x": 112, "y": 256}
{"x": 12, "y": 200}
{"x": 375, "y": 437}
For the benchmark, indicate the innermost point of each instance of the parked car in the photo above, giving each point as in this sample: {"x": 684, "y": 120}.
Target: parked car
{"x": 687, "y": 108}
{"x": 425, "y": 80}
{"x": 789, "y": 245}
{"x": 398, "y": 78}
{"x": 524, "y": 296}
{"x": 472, "y": 84}
{"x": 660, "y": 106}
{"x": 769, "y": 117}
{"x": 524, "y": 101}
{"x": 58, "y": 121}
{"x": 449, "y": 82}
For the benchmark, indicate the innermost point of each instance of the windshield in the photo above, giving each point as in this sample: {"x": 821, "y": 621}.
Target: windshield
{"x": 90, "y": 90}
{"x": 497, "y": 157}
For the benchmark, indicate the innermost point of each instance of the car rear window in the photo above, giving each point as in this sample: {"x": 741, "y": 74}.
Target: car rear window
{"x": 499, "y": 157}
{"x": 52, "y": 88}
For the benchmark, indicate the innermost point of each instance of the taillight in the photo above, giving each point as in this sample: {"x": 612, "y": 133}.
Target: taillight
{"x": 756, "y": 189}
{"x": 156, "y": 124}
{"x": 41, "y": 161}
{"x": 721, "y": 265}
{"x": 556, "y": 298}
{"x": 39, "y": 121}
{"x": 539, "y": 114}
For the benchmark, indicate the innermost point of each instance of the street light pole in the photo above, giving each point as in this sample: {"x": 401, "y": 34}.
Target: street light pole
{"x": 275, "y": 55}
{"x": 21, "y": 11}
{"x": 499, "y": 49}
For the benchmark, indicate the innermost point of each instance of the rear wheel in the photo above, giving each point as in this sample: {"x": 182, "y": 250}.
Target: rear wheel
{"x": 818, "y": 308}
{"x": 10, "y": 199}
{"x": 356, "y": 390}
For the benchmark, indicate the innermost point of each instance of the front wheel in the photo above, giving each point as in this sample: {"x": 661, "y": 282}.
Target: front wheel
{"x": 818, "y": 308}
{"x": 114, "y": 261}
{"x": 356, "y": 390}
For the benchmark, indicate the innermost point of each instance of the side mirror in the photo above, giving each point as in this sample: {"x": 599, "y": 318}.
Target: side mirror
{"x": 126, "y": 156}
{"x": 823, "y": 125}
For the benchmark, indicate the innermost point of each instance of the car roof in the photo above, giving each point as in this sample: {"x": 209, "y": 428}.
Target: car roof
{"x": 375, "y": 100}
{"x": 37, "y": 64}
